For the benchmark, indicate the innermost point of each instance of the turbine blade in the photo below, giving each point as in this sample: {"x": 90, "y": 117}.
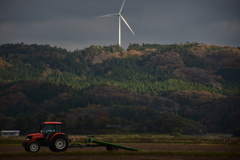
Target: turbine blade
{"x": 127, "y": 24}
{"x": 108, "y": 15}
{"x": 122, "y": 6}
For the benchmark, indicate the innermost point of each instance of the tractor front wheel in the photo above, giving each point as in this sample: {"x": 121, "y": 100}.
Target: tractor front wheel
{"x": 32, "y": 147}
{"x": 59, "y": 144}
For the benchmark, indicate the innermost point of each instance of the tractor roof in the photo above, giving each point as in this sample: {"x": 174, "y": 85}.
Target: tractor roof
{"x": 52, "y": 122}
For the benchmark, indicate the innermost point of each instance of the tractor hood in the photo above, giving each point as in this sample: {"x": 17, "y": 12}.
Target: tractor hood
{"x": 36, "y": 135}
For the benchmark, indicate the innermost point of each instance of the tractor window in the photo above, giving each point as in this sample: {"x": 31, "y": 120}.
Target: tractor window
{"x": 58, "y": 128}
{"x": 51, "y": 128}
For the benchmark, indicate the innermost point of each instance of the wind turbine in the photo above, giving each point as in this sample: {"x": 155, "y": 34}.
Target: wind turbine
{"x": 120, "y": 17}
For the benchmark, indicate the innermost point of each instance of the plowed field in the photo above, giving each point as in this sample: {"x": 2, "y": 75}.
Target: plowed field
{"x": 158, "y": 151}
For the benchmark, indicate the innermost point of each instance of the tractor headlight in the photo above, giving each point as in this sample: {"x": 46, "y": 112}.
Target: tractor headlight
{"x": 28, "y": 138}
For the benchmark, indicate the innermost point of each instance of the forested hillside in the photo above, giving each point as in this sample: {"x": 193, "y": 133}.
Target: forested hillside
{"x": 188, "y": 88}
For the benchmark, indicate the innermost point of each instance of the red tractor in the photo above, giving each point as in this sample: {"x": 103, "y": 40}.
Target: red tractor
{"x": 51, "y": 135}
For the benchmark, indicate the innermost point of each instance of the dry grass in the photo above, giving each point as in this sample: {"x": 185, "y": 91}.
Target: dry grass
{"x": 156, "y": 138}
{"x": 12, "y": 140}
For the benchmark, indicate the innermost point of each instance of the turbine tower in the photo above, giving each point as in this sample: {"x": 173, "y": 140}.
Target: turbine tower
{"x": 120, "y": 17}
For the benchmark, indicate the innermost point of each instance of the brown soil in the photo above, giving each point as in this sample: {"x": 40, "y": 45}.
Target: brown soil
{"x": 146, "y": 146}
{"x": 123, "y": 158}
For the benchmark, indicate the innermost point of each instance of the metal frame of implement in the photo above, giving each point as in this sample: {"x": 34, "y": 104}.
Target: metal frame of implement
{"x": 102, "y": 144}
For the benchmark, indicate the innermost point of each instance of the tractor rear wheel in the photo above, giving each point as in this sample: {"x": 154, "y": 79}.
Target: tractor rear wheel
{"x": 112, "y": 148}
{"x": 32, "y": 147}
{"x": 59, "y": 144}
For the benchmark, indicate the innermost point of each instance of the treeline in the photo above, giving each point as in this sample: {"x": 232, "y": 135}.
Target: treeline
{"x": 28, "y": 103}
{"x": 133, "y": 88}
{"x": 105, "y": 109}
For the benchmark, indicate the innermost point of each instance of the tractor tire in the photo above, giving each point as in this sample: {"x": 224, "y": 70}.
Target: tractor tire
{"x": 33, "y": 147}
{"x": 26, "y": 148}
{"x": 59, "y": 144}
{"x": 112, "y": 148}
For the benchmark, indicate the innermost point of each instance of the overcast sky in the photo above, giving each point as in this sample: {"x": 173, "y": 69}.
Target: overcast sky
{"x": 71, "y": 24}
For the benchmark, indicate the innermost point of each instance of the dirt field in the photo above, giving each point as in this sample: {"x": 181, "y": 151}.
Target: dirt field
{"x": 14, "y": 149}
{"x": 123, "y": 158}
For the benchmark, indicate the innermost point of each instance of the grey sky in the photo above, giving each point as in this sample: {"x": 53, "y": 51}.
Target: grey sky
{"x": 71, "y": 24}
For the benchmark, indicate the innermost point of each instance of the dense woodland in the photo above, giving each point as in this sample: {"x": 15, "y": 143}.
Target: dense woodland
{"x": 188, "y": 88}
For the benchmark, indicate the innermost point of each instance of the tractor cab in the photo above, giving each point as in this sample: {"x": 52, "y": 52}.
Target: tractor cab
{"x": 50, "y": 128}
